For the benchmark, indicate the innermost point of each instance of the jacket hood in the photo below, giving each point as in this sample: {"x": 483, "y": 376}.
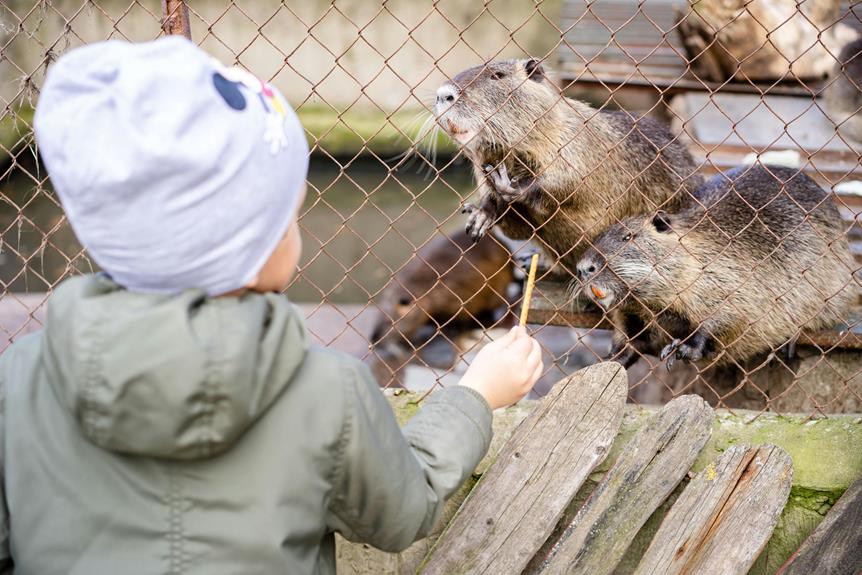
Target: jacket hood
{"x": 179, "y": 377}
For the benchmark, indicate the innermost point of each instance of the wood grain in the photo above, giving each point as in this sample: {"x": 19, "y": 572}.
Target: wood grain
{"x": 661, "y": 454}
{"x": 724, "y": 518}
{"x": 835, "y": 546}
{"x": 519, "y": 500}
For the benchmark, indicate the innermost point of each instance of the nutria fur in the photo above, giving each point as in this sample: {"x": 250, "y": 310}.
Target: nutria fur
{"x": 844, "y": 94}
{"x": 766, "y": 40}
{"x": 553, "y": 166}
{"x": 758, "y": 256}
{"x": 449, "y": 282}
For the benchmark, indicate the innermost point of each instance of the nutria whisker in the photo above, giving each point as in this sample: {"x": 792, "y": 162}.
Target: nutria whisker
{"x": 417, "y": 144}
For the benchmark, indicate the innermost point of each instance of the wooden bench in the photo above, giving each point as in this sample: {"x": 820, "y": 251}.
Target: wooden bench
{"x": 722, "y": 129}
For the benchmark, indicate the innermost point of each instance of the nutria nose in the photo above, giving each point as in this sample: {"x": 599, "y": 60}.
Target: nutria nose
{"x": 446, "y": 94}
{"x": 585, "y": 269}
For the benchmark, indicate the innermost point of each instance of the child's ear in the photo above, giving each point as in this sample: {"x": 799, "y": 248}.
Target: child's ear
{"x": 661, "y": 221}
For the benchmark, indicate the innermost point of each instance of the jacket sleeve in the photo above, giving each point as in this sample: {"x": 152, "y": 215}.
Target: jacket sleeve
{"x": 6, "y": 565}
{"x": 390, "y": 484}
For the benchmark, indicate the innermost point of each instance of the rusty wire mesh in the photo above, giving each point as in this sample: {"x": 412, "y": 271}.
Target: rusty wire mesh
{"x": 388, "y": 273}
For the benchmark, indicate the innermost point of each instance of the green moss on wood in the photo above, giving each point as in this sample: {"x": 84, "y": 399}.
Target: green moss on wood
{"x": 341, "y": 133}
{"x": 16, "y": 129}
{"x": 822, "y": 460}
{"x": 813, "y": 499}
{"x": 366, "y": 130}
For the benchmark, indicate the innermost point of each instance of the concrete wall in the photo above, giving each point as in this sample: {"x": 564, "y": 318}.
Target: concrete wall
{"x": 358, "y": 53}
{"x": 827, "y": 458}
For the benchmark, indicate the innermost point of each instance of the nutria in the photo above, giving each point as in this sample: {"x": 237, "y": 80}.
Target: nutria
{"x": 844, "y": 94}
{"x": 766, "y": 40}
{"x": 449, "y": 282}
{"x": 757, "y": 256}
{"x": 564, "y": 170}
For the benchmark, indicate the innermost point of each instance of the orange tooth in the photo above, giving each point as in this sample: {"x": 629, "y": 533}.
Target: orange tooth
{"x": 597, "y": 292}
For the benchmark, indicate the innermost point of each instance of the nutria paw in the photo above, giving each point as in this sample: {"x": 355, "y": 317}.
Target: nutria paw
{"x": 677, "y": 350}
{"x": 506, "y": 189}
{"x": 478, "y": 222}
{"x": 524, "y": 259}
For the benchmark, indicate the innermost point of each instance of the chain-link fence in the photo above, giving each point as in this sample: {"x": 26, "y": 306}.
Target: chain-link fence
{"x": 745, "y": 284}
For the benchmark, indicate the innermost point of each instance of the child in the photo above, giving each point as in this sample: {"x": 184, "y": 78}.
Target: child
{"x": 171, "y": 417}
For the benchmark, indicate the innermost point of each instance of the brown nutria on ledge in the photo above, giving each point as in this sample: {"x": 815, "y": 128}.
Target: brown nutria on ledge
{"x": 844, "y": 94}
{"x": 449, "y": 282}
{"x": 556, "y": 167}
{"x": 758, "y": 257}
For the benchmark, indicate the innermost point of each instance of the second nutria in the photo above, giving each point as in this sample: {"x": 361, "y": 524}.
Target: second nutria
{"x": 759, "y": 256}
{"x": 844, "y": 93}
{"x": 449, "y": 282}
{"x": 766, "y": 40}
{"x": 553, "y": 166}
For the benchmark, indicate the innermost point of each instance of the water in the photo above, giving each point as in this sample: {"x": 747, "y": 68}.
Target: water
{"x": 359, "y": 226}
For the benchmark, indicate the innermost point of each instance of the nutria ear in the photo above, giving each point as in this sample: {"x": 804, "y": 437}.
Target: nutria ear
{"x": 534, "y": 70}
{"x": 661, "y": 221}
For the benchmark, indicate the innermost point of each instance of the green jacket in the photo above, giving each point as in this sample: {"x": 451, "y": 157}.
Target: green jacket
{"x": 147, "y": 434}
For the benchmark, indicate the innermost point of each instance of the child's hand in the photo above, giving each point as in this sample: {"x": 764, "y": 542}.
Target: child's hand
{"x": 506, "y": 369}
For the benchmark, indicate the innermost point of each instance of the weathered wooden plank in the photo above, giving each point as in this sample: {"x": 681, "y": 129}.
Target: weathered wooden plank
{"x": 515, "y": 506}
{"x": 835, "y": 546}
{"x": 759, "y": 123}
{"x": 723, "y": 519}
{"x": 827, "y": 459}
{"x": 724, "y": 128}
{"x": 661, "y": 455}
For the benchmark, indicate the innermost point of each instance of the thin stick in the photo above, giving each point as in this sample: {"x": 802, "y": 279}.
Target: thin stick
{"x": 528, "y": 291}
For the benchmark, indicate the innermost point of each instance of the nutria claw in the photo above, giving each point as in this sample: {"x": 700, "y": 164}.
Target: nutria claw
{"x": 789, "y": 349}
{"x": 478, "y": 223}
{"x": 503, "y": 185}
{"x": 468, "y": 208}
{"x": 677, "y": 350}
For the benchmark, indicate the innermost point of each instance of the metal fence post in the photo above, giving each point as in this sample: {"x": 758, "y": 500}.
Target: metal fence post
{"x": 175, "y": 18}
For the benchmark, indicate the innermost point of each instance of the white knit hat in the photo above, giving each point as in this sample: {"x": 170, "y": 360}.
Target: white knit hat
{"x": 174, "y": 171}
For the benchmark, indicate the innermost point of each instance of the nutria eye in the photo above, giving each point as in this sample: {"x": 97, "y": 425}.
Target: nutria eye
{"x": 498, "y": 75}
{"x": 627, "y": 237}
{"x": 404, "y": 301}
